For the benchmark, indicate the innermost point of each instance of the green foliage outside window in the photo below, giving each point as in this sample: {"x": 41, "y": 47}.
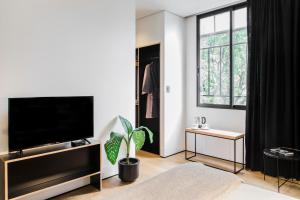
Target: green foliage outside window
{"x": 215, "y": 68}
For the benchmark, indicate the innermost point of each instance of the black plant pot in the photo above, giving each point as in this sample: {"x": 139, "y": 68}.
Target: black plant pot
{"x": 129, "y": 172}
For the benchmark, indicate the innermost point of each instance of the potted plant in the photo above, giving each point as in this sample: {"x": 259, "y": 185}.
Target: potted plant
{"x": 128, "y": 167}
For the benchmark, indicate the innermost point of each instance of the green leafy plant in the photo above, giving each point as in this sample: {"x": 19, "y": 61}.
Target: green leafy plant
{"x": 138, "y": 135}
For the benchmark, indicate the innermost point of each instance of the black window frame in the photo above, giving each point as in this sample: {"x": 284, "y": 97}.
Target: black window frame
{"x": 229, "y": 9}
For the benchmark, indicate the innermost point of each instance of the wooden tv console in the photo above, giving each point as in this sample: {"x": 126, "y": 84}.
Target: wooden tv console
{"x": 45, "y": 168}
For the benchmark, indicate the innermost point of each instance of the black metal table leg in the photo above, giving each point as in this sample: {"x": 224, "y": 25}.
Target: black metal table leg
{"x": 278, "y": 178}
{"x": 235, "y": 171}
{"x": 264, "y": 160}
{"x": 234, "y": 157}
{"x": 195, "y": 145}
{"x": 186, "y": 150}
{"x": 185, "y": 144}
{"x": 243, "y": 153}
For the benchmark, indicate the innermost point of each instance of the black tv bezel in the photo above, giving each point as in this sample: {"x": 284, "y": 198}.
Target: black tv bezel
{"x": 47, "y": 144}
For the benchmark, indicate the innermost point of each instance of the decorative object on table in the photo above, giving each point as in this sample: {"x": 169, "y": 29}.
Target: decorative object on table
{"x": 283, "y": 154}
{"x": 203, "y": 120}
{"x": 128, "y": 167}
{"x": 200, "y": 123}
{"x": 205, "y": 127}
{"x": 196, "y": 122}
{"x": 281, "y": 151}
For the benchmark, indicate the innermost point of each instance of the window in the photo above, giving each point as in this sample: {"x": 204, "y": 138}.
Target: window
{"x": 222, "y": 58}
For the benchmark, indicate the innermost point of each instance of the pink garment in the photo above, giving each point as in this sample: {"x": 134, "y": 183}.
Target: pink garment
{"x": 150, "y": 87}
{"x": 147, "y": 84}
{"x": 149, "y": 110}
{"x": 146, "y": 90}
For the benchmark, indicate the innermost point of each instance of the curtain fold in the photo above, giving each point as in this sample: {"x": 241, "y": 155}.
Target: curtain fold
{"x": 273, "y": 81}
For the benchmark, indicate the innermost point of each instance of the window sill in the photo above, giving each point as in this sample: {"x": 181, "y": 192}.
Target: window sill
{"x": 228, "y": 107}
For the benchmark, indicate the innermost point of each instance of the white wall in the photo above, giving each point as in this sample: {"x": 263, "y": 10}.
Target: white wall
{"x": 150, "y": 30}
{"x": 69, "y": 48}
{"x": 207, "y": 6}
{"x": 224, "y": 119}
{"x": 174, "y": 71}
{"x": 168, "y": 30}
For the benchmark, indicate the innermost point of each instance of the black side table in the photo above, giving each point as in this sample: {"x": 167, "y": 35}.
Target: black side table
{"x": 280, "y": 157}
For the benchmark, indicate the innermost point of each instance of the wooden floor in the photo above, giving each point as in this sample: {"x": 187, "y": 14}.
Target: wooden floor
{"x": 152, "y": 165}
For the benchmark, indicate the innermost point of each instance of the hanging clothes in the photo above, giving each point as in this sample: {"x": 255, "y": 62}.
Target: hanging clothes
{"x": 151, "y": 88}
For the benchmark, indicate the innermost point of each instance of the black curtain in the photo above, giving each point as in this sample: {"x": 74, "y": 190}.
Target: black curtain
{"x": 273, "y": 80}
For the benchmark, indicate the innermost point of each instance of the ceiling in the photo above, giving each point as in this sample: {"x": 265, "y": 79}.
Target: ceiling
{"x": 182, "y": 8}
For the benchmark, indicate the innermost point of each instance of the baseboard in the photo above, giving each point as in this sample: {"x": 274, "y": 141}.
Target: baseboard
{"x": 110, "y": 177}
{"x": 172, "y": 154}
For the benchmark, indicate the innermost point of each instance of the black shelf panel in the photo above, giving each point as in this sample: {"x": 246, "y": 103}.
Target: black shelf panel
{"x": 21, "y": 190}
{"x": 36, "y": 173}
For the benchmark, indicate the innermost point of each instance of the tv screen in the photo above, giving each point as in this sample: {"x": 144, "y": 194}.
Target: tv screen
{"x": 44, "y": 120}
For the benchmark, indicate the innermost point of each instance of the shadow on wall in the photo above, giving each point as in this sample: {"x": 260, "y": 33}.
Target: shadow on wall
{"x": 3, "y": 134}
{"x": 105, "y": 131}
{"x": 104, "y": 134}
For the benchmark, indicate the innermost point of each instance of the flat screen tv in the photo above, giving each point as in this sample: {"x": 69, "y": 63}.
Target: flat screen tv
{"x": 45, "y": 120}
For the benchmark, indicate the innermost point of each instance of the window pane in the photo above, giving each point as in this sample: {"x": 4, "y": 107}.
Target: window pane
{"x": 222, "y": 22}
{"x": 215, "y": 60}
{"x": 214, "y": 72}
{"x": 239, "y": 57}
{"x": 240, "y": 73}
{"x": 225, "y": 72}
{"x": 207, "y": 25}
{"x": 240, "y": 18}
{"x": 204, "y": 72}
{"x": 215, "y": 75}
